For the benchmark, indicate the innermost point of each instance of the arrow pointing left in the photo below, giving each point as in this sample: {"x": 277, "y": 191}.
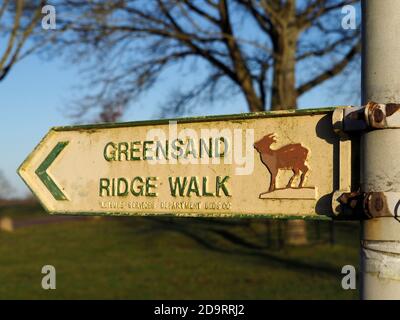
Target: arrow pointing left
{"x": 41, "y": 171}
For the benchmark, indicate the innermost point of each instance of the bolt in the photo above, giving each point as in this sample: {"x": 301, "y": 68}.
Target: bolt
{"x": 378, "y": 115}
{"x": 378, "y": 203}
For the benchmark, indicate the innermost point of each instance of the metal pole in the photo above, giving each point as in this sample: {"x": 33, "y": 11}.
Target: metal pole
{"x": 380, "y": 149}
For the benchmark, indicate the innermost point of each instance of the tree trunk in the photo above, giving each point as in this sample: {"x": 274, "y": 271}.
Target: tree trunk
{"x": 284, "y": 93}
{"x": 284, "y": 96}
{"x": 296, "y": 232}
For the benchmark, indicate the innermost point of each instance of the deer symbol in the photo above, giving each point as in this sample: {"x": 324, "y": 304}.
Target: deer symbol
{"x": 290, "y": 157}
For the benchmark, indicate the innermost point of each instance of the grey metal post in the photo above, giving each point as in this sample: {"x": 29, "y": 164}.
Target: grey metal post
{"x": 380, "y": 167}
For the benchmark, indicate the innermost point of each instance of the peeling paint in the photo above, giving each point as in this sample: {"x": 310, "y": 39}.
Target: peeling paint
{"x": 382, "y": 258}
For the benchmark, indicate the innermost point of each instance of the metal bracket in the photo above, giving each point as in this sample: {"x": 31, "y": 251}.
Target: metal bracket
{"x": 348, "y": 205}
{"x": 361, "y": 205}
{"x": 382, "y": 204}
{"x": 366, "y": 205}
{"x": 372, "y": 116}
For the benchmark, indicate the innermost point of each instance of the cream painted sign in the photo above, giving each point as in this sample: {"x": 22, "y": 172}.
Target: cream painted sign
{"x": 273, "y": 163}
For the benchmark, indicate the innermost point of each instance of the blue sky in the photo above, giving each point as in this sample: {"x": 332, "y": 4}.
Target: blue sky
{"x": 35, "y": 95}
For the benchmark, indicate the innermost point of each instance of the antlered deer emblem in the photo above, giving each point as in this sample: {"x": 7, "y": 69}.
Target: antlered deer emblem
{"x": 290, "y": 157}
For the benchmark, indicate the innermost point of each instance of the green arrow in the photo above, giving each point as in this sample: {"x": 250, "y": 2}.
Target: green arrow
{"x": 45, "y": 178}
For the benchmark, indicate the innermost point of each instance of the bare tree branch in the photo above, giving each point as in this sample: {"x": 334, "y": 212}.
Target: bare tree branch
{"x": 18, "y": 35}
{"x": 254, "y": 47}
{"x": 331, "y": 72}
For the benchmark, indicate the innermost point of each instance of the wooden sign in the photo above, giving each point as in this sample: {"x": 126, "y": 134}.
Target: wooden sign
{"x": 266, "y": 164}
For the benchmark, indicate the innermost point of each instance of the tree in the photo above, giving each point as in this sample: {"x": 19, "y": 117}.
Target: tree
{"x": 253, "y": 47}
{"x": 18, "y": 20}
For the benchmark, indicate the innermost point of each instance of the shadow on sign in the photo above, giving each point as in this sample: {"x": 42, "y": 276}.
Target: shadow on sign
{"x": 324, "y": 131}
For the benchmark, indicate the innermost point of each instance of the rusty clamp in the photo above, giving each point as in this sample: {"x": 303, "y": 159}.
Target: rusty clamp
{"x": 372, "y": 116}
{"x": 357, "y": 205}
{"x": 365, "y": 205}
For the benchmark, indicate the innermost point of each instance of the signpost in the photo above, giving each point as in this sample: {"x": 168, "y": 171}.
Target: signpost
{"x": 306, "y": 164}
{"x": 380, "y": 172}
{"x": 281, "y": 164}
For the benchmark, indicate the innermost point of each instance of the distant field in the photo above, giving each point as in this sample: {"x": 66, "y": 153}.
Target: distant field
{"x": 171, "y": 258}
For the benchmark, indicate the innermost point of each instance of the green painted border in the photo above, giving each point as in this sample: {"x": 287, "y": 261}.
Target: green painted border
{"x": 215, "y": 215}
{"x": 229, "y": 117}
